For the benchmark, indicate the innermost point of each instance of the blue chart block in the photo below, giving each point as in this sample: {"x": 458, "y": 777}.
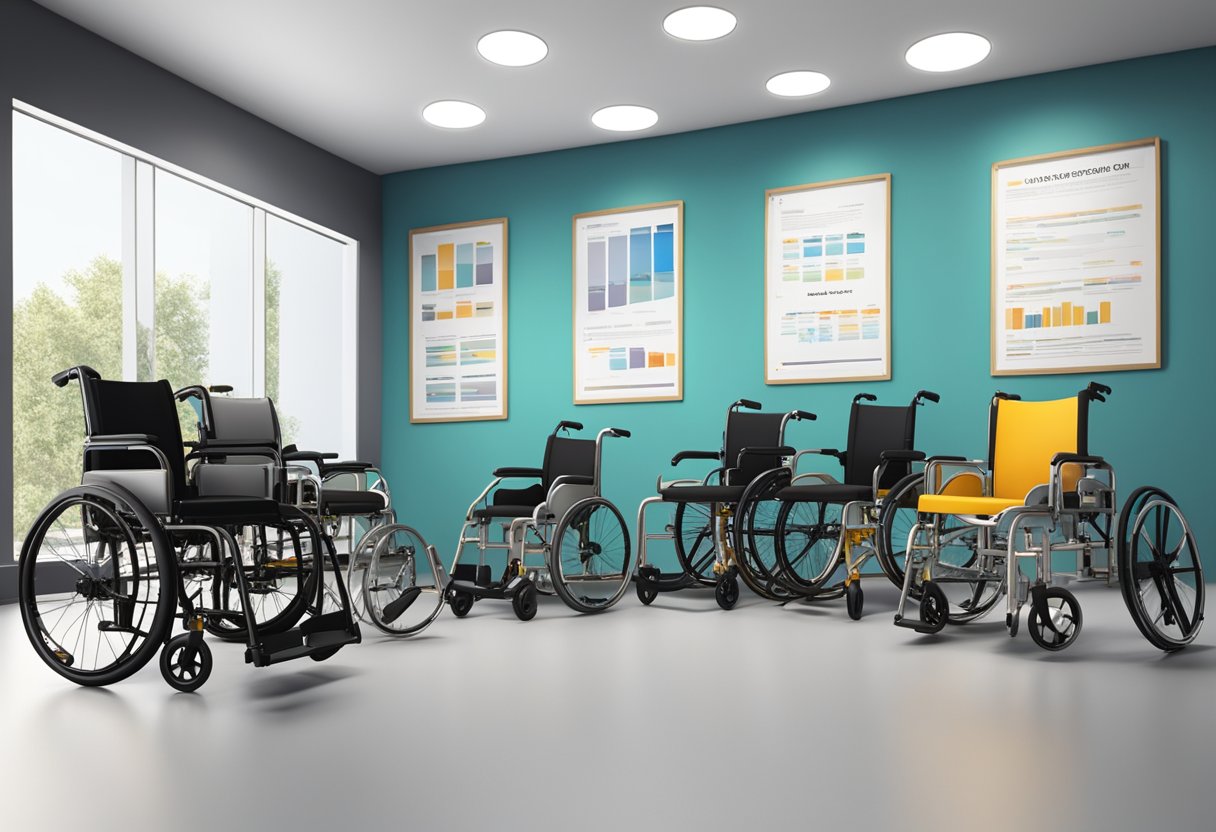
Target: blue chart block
{"x": 428, "y": 273}
{"x": 464, "y": 266}
{"x": 618, "y": 270}
{"x": 640, "y": 265}
{"x": 485, "y": 264}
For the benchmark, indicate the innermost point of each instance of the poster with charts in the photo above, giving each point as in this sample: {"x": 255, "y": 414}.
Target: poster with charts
{"x": 628, "y": 304}
{"x": 1076, "y": 261}
{"x": 827, "y": 281}
{"x": 458, "y": 322}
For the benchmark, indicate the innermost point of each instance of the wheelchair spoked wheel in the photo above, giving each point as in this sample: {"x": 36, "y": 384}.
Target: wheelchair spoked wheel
{"x": 357, "y": 565}
{"x": 1160, "y": 571}
{"x": 97, "y": 585}
{"x": 895, "y": 520}
{"x": 400, "y": 591}
{"x": 281, "y": 580}
{"x": 1064, "y": 612}
{"x": 965, "y": 600}
{"x": 694, "y": 541}
{"x": 808, "y": 537}
{"x": 755, "y": 536}
{"x": 589, "y": 560}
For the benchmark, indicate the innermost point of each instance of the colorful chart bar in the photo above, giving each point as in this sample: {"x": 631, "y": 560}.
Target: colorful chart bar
{"x": 1066, "y": 314}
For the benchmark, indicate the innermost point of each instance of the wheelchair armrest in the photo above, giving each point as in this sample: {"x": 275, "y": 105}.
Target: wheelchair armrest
{"x": 572, "y": 479}
{"x": 241, "y": 443}
{"x": 518, "y": 472}
{"x": 294, "y": 455}
{"x": 901, "y": 456}
{"x": 683, "y": 455}
{"x": 778, "y": 450}
{"x": 121, "y": 439}
{"x": 345, "y": 467}
{"x": 1062, "y": 458}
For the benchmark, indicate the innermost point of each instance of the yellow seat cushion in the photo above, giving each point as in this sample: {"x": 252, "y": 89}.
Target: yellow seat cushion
{"x": 948, "y": 504}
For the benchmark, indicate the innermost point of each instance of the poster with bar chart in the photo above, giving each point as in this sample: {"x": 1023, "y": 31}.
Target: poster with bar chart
{"x": 1076, "y": 261}
{"x": 628, "y": 304}
{"x": 827, "y": 281}
{"x": 458, "y": 322}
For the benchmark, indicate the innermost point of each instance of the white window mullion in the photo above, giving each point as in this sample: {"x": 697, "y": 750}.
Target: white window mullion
{"x": 259, "y": 302}
{"x": 130, "y": 295}
{"x": 145, "y": 269}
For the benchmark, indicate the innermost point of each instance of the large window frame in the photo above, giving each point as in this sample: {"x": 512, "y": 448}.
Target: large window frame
{"x": 139, "y": 261}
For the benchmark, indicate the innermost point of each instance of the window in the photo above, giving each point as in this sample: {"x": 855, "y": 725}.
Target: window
{"x": 144, "y": 271}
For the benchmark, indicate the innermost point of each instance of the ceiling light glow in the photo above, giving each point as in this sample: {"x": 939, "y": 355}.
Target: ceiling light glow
{"x": 798, "y": 83}
{"x": 454, "y": 115}
{"x": 511, "y": 48}
{"x": 948, "y": 52}
{"x": 624, "y": 118}
{"x": 699, "y": 23}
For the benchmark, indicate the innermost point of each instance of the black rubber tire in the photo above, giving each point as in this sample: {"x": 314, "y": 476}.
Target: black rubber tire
{"x": 854, "y": 600}
{"x": 754, "y": 535}
{"x": 224, "y": 591}
{"x": 699, "y": 563}
{"x": 185, "y": 679}
{"x": 895, "y": 505}
{"x": 646, "y": 594}
{"x": 111, "y": 499}
{"x": 461, "y": 602}
{"x": 809, "y": 586}
{"x": 934, "y": 608}
{"x": 524, "y": 601}
{"x": 726, "y": 593}
{"x": 1045, "y": 637}
{"x": 591, "y": 512}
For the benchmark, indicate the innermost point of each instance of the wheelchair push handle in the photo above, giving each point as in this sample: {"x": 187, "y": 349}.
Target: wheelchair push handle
{"x": 565, "y": 425}
{"x": 1011, "y": 397}
{"x": 220, "y": 388}
{"x": 61, "y": 378}
{"x": 865, "y": 397}
{"x": 1096, "y": 391}
{"x": 750, "y": 404}
{"x": 800, "y": 415}
{"x": 927, "y": 395}
{"x": 620, "y": 433}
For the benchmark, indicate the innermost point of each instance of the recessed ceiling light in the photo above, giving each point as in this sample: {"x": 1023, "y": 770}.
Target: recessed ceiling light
{"x": 699, "y": 23}
{"x": 511, "y": 48}
{"x": 797, "y": 83}
{"x": 455, "y": 115}
{"x": 624, "y": 118}
{"x": 948, "y": 52}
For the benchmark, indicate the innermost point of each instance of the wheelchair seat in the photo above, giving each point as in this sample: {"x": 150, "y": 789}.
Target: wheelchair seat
{"x": 228, "y": 510}
{"x": 837, "y": 492}
{"x": 564, "y": 457}
{"x": 702, "y": 493}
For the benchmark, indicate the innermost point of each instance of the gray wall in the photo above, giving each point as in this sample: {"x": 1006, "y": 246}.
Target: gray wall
{"x": 64, "y": 69}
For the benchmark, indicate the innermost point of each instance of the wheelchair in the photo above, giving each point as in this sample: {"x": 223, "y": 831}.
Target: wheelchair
{"x": 349, "y": 500}
{"x": 1039, "y": 495}
{"x": 108, "y": 566}
{"x": 706, "y": 513}
{"x": 825, "y": 531}
{"x": 559, "y": 534}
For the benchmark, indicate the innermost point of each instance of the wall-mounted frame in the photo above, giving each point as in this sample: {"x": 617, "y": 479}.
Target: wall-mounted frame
{"x": 629, "y": 304}
{"x": 827, "y": 281}
{"x": 1076, "y": 260}
{"x": 458, "y": 322}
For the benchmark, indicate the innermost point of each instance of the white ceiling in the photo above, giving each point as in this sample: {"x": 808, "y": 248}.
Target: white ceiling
{"x": 352, "y": 76}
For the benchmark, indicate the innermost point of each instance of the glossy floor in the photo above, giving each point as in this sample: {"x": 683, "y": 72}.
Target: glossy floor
{"x": 677, "y": 716}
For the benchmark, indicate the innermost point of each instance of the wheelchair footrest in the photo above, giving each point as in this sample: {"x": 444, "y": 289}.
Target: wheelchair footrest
{"x": 394, "y": 609}
{"x": 319, "y": 636}
{"x": 914, "y": 624}
{"x": 653, "y": 579}
{"x": 473, "y": 573}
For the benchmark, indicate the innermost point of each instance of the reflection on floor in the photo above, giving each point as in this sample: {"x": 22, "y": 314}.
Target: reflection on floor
{"x": 677, "y": 716}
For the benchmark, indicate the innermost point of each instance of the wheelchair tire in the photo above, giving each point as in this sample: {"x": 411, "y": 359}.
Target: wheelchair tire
{"x": 461, "y": 603}
{"x": 754, "y": 535}
{"x": 854, "y": 600}
{"x": 123, "y": 578}
{"x": 389, "y": 582}
{"x": 185, "y": 674}
{"x": 896, "y": 518}
{"x": 589, "y": 558}
{"x": 523, "y": 602}
{"x": 646, "y": 594}
{"x": 726, "y": 593}
{"x": 808, "y": 536}
{"x": 281, "y": 589}
{"x": 1160, "y": 570}
{"x": 934, "y": 608}
{"x": 694, "y": 541}
{"x": 1066, "y": 613}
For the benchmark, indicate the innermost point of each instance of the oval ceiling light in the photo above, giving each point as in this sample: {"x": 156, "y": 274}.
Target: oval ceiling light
{"x": 797, "y": 83}
{"x": 699, "y": 23}
{"x": 455, "y": 115}
{"x": 948, "y": 52}
{"x": 511, "y": 48}
{"x": 624, "y": 118}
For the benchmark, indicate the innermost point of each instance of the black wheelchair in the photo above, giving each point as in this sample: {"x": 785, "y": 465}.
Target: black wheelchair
{"x": 153, "y": 536}
{"x": 707, "y": 512}
{"x": 825, "y": 530}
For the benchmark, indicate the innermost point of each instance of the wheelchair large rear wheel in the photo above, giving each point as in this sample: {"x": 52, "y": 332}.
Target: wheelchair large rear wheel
{"x": 1160, "y": 571}
{"x": 755, "y": 535}
{"x": 694, "y": 533}
{"x": 400, "y": 589}
{"x": 808, "y": 538}
{"x": 97, "y": 585}
{"x": 896, "y": 518}
{"x": 590, "y": 557}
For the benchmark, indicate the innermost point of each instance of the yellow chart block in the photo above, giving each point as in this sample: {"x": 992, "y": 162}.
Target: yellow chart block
{"x": 835, "y": 274}
{"x": 1078, "y": 316}
{"x": 1104, "y": 312}
{"x": 443, "y": 316}
{"x": 464, "y": 309}
{"x": 1019, "y": 317}
{"x": 447, "y": 269}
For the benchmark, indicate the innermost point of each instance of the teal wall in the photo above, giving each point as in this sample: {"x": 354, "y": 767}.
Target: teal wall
{"x": 939, "y": 148}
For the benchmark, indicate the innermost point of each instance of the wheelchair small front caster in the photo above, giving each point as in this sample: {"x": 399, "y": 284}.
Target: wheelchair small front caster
{"x": 934, "y": 608}
{"x": 727, "y": 591}
{"x": 854, "y": 599}
{"x": 185, "y": 662}
{"x": 647, "y": 584}
{"x": 524, "y": 601}
{"x": 1060, "y": 625}
{"x": 461, "y": 602}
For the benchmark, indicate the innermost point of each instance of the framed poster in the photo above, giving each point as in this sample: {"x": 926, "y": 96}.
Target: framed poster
{"x": 458, "y": 322}
{"x": 628, "y": 304}
{"x": 1076, "y": 261}
{"x": 827, "y": 281}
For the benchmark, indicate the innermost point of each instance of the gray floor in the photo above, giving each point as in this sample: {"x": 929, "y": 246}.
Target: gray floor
{"x": 677, "y": 716}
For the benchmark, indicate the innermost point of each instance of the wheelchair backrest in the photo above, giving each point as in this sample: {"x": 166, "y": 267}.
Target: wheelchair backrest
{"x": 125, "y": 407}
{"x": 872, "y": 430}
{"x": 751, "y": 430}
{"x": 244, "y": 419}
{"x": 1023, "y": 438}
{"x": 244, "y": 475}
{"x": 565, "y": 456}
